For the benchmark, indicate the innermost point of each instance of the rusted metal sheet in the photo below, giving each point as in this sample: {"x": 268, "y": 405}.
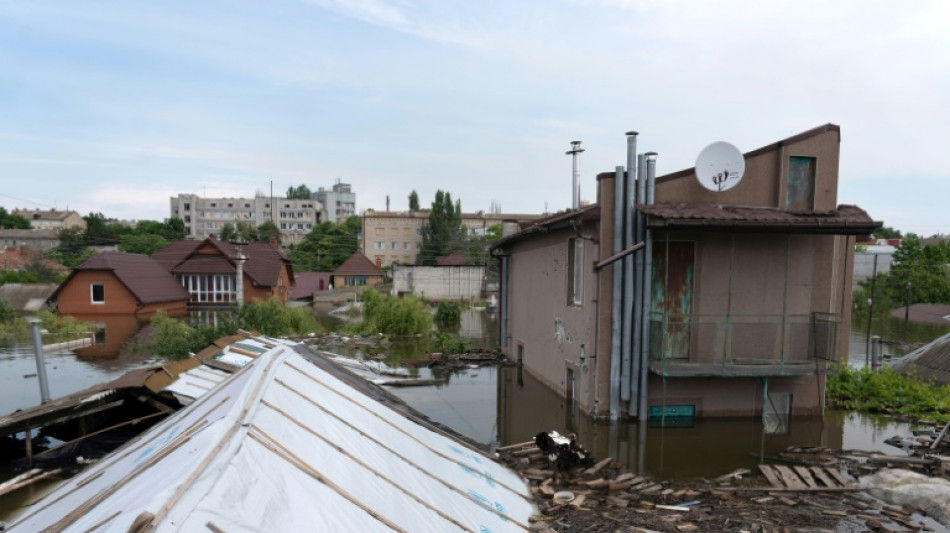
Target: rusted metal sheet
{"x": 673, "y": 295}
{"x": 800, "y": 192}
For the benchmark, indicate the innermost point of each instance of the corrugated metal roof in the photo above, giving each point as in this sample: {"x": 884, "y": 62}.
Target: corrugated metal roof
{"x": 145, "y": 278}
{"x": 929, "y": 363}
{"x": 288, "y": 444}
{"x": 357, "y": 265}
{"x": 846, "y": 220}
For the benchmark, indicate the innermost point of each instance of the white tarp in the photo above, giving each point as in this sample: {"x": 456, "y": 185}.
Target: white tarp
{"x": 903, "y": 487}
{"x": 285, "y": 446}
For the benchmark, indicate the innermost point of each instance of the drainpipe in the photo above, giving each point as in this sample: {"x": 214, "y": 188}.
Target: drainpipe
{"x": 628, "y": 388}
{"x": 615, "y": 331}
{"x": 637, "y": 318}
{"x": 647, "y": 287}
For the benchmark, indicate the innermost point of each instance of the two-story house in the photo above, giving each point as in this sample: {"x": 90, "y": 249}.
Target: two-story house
{"x": 728, "y": 303}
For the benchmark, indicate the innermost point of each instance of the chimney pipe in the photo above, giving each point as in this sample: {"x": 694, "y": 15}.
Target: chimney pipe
{"x": 574, "y": 152}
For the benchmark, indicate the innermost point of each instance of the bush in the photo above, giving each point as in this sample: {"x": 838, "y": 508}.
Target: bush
{"x": 886, "y": 391}
{"x": 274, "y": 319}
{"x": 448, "y": 314}
{"x": 171, "y": 338}
{"x": 450, "y": 344}
{"x": 383, "y": 313}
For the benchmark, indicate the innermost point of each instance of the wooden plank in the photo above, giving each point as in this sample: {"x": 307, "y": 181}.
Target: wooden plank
{"x": 838, "y": 476}
{"x": 791, "y": 479}
{"x": 940, "y": 437}
{"x": 770, "y": 474}
{"x": 820, "y": 474}
{"x": 805, "y": 474}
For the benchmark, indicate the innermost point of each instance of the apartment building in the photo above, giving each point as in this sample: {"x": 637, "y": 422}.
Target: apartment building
{"x": 338, "y": 203}
{"x": 396, "y": 236}
{"x": 51, "y": 219}
{"x": 203, "y": 217}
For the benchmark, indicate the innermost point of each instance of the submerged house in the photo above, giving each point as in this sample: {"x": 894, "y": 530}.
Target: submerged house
{"x": 693, "y": 301}
{"x": 210, "y": 269}
{"x": 113, "y": 283}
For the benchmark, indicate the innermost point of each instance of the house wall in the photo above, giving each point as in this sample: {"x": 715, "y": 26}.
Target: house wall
{"x": 551, "y": 338}
{"x": 440, "y": 282}
{"x": 766, "y": 177}
{"x": 281, "y": 291}
{"x": 340, "y": 281}
{"x": 76, "y": 297}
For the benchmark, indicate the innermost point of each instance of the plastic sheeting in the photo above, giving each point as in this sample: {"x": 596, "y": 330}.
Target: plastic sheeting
{"x": 903, "y": 487}
{"x": 286, "y": 446}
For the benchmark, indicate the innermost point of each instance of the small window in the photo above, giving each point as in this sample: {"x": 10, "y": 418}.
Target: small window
{"x": 214, "y": 204}
{"x": 98, "y": 293}
{"x": 575, "y": 270}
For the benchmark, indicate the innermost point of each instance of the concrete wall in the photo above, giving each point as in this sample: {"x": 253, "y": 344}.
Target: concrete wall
{"x": 455, "y": 283}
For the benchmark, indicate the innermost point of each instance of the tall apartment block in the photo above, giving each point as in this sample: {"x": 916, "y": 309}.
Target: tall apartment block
{"x": 338, "y": 203}
{"x": 206, "y": 216}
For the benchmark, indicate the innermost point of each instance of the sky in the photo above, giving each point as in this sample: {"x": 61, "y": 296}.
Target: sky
{"x": 114, "y": 107}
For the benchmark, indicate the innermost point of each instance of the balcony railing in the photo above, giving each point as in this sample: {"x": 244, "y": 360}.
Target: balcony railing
{"x": 724, "y": 343}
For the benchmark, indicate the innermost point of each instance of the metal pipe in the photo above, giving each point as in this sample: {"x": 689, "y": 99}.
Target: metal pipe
{"x": 40, "y": 362}
{"x": 875, "y": 353}
{"x": 647, "y": 288}
{"x": 575, "y": 152}
{"x": 628, "y": 389}
{"x": 639, "y": 348}
{"x": 615, "y": 329}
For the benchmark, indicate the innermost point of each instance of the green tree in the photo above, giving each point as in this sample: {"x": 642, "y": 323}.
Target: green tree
{"x": 301, "y": 192}
{"x": 887, "y": 232}
{"x": 142, "y": 243}
{"x": 327, "y": 246}
{"x": 72, "y": 250}
{"x": 240, "y": 231}
{"x": 413, "y": 201}
{"x": 174, "y": 229}
{"x": 443, "y": 234}
{"x": 10, "y": 221}
{"x": 267, "y": 230}
{"x": 924, "y": 267}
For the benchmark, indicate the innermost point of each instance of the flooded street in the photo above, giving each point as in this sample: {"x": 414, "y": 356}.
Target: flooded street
{"x": 504, "y": 405}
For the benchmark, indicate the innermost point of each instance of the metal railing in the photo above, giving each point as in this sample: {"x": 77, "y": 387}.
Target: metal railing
{"x": 743, "y": 339}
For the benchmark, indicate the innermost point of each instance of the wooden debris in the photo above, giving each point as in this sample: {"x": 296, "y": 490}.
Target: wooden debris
{"x": 594, "y": 470}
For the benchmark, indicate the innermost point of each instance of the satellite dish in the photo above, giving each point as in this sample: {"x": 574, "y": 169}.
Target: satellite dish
{"x": 720, "y": 166}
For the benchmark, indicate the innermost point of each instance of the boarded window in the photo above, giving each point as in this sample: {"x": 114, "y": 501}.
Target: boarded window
{"x": 98, "y": 293}
{"x": 575, "y": 272}
{"x": 800, "y": 192}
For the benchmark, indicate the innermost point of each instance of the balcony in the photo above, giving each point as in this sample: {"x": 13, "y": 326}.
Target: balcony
{"x": 741, "y": 345}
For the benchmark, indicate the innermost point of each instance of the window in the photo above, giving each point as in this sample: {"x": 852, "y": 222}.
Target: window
{"x": 394, "y": 245}
{"x": 800, "y": 190}
{"x": 214, "y": 204}
{"x": 378, "y": 245}
{"x": 187, "y": 206}
{"x": 98, "y": 292}
{"x": 406, "y": 245}
{"x": 575, "y": 271}
{"x": 230, "y": 204}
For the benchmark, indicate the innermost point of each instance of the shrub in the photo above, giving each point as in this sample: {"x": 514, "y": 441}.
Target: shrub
{"x": 448, "y": 314}
{"x": 273, "y": 318}
{"x": 450, "y": 344}
{"x": 171, "y": 338}
{"x": 886, "y": 391}
{"x": 383, "y": 313}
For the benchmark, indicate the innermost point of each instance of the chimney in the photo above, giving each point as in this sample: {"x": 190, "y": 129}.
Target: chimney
{"x": 574, "y": 152}
{"x": 273, "y": 241}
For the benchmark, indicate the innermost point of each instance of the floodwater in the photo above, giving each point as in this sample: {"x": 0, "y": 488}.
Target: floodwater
{"x": 503, "y": 405}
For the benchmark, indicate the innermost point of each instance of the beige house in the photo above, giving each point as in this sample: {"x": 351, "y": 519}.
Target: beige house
{"x": 732, "y": 304}
{"x": 395, "y": 237}
{"x": 52, "y": 219}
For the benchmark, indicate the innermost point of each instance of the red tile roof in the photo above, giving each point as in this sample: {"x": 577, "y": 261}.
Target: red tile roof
{"x": 357, "y": 265}
{"x": 145, "y": 278}
{"x": 846, "y": 220}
